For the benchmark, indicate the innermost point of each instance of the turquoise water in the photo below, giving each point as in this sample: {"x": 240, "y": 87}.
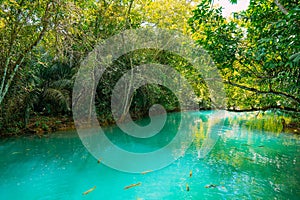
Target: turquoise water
{"x": 244, "y": 164}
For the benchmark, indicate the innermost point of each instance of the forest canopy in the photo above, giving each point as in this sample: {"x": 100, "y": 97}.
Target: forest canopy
{"x": 257, "y": 52}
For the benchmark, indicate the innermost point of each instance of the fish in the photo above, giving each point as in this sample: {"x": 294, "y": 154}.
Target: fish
{"x": 88, "y": 191}
{"x": 245, "y": 144}
{"x": 146, "y": 172}
{"x": 187, "y": 187}
{"x": 132, "y": 185}
{"x": 99, "y": 161}
{"x": 211, "y": 186}
{"x": 251, "y": 160}
{"x": 191, "y": 173}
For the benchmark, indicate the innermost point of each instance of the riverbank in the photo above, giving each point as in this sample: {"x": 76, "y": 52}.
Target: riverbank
{"x": 41, "y": 125}
{"x": 44, "y": 125}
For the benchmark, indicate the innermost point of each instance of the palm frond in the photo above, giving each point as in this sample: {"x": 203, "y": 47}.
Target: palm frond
{"x": 62, "y": 84}
{"x": 56, "y": 96}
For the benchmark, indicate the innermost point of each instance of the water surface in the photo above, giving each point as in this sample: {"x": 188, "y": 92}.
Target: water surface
{"x": 245, "y": 163}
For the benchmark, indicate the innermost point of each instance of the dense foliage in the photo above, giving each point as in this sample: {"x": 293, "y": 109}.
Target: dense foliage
{"x": 257, "y": 52}
{"x": 43, "y": 43}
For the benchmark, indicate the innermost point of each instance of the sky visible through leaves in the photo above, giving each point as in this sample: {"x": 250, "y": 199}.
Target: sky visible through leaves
{"x": 228, "y": 8}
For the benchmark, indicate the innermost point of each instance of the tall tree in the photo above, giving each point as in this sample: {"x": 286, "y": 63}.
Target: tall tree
{"x": 23, "y": 25}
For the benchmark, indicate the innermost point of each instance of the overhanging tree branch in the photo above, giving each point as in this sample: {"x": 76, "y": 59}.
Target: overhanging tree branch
{"x": 296, "y": 99}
